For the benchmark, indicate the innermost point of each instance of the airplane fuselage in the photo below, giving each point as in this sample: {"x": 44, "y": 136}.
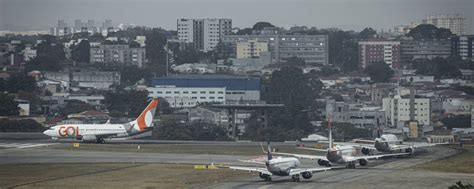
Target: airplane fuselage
{"x": 337, "y": 154}
{"x": 80, "y": 130}
{"x": 282, "y": 166}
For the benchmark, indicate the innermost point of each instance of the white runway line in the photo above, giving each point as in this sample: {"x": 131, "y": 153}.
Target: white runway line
{"x": 24, "y": 145}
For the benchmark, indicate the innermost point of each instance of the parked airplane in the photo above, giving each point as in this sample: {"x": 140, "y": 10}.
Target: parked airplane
{"x": 340, "y": 154}
{"x": 280, "y": 166}
{"x": 97, "y": 132}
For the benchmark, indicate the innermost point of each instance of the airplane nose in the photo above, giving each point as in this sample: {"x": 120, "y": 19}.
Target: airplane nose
{"x": 46, "y": 132}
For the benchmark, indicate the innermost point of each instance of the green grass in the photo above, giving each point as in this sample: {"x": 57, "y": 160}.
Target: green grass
{"x": 112, "y": 175}
{"x": 459, "y": 163}
{"x": 215, "y": 149}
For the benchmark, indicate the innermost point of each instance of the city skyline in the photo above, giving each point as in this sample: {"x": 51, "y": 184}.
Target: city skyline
{"x": 21, "y": 15}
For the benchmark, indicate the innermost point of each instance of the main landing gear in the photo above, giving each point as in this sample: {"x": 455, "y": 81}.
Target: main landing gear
{"x": 351, "y": 165}
{"x": 100, "y": 140}
{"x": 268, "y": 179}
{"x": 296, "y": 178}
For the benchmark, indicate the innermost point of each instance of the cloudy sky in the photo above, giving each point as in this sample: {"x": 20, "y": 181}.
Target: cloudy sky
{"x": 345, "y": 14}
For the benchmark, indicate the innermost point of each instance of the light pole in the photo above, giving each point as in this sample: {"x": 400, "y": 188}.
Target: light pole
{"x": 167, "y": 59}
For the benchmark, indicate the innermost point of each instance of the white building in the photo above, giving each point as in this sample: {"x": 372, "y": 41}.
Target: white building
{"x": 204, "y": 33}
{"x": 186, "y": 97}
{"x": 251, "y": 48}
{"x": 455, "y": 22}
{"x": 24, "y": 106}
{"x": 141, "y": 40}
{"x": 95, "y": 100}
{"x": 397, "y": 109}
{"x": 457, "y": 104}
{"x": 416, "y": 78}
{"x": 29, "y": 54}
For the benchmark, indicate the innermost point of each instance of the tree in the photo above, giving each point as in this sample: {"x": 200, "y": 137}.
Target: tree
{"x": 367, "y": 33}
{"x": 81, "y": 52}
{"x": 437, "y": 67}
{"x": 155, "y": 43}
{"x": 28, "y": 125}
{"x": 75, "y": 106}
{"x": 261, "y": 25}
{"x": 289, "y": 86}
{"x": 8, "y": 105}
{"x": 245, "y": 31}
{"x": 429, "y": 32}
{"x": 457, "y": 121}
{"x": 327, "y": 70}
{"x": 20, "y": 82}
{"x": 126, "y": 103}
{"x": 296, "y": 61}
{"x": 49, "y": 57}
{"x": 379, "y": 72}
{"x": 129, "y": 75}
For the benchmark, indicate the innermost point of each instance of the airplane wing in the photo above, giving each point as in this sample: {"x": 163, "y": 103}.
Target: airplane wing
{"x": 302, "y": 170}
{"x": 354, "y": 158}
{"x": 356, "y": 144}
{"x": 359, "y": 141}
{"x": 303, "y": 156}
{"x": 425, "y": 144}
{"x": 253, "y": 161}
{"x": 251, "y": 169}
{"x": 313, "y": 149}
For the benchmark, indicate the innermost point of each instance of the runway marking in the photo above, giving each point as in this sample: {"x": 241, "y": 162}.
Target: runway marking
{"x": 23, "y": 145}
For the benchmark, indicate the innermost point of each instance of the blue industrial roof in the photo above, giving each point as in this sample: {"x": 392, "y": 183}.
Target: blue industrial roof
{"x": 230, "y": 83}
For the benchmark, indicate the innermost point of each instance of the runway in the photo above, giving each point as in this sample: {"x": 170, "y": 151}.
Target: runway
{"x": 39, "y": 155}
{"x": 385, "y": 173}
{"x": 398, "y": 173}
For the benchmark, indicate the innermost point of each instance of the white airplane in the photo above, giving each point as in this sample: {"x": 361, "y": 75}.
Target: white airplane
{"x": 340, "y": 154}
{"x": 280, "y": 166}
{"x": 97, "y": 132}
{"x": 389, "y": 143}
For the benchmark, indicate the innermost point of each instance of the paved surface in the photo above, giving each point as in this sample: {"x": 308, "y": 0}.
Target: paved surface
{"x": 387, "y": 173}
{"x": 396, "y": 173}
{"x": 35, "y": 137}
{"x": 41, "y": 155}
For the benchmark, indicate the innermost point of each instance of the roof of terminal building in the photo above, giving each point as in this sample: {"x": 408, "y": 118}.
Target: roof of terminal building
{"x": 228, "y": 81}
{"x": 206, "y": 76}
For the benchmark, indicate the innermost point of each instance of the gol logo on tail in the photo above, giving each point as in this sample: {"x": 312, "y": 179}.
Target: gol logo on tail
{"x": 68, "y": 131}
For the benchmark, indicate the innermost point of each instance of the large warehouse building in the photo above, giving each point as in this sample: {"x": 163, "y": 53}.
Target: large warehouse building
{"x": 180, "y": 88}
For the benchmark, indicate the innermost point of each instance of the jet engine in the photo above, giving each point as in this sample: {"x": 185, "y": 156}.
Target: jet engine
{"x": 410, "y": 150}
{"x": 263, "y": 176}
{"x": 306, "y": 175}
{"x": 363, "y": 162}
{"x": 89, "y": 138}
{"x": 323, "y": 163}
{"x": 367, "y": 151}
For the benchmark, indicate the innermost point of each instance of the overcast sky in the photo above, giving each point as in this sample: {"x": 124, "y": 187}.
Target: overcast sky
{"x": 344, "y": 14}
